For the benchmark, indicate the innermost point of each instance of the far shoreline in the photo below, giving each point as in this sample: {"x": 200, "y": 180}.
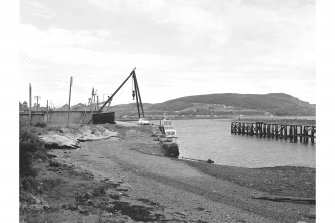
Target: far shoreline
{"x": 307, "y": 120}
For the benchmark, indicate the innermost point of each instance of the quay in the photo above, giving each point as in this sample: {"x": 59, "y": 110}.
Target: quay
{"x": 294, "y": 133}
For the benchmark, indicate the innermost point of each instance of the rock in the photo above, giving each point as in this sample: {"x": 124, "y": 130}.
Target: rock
{"x": 69, "y": 138}
{"x": 34, "y": 203}
{"x": 72, "y": 207}
{"x": 82, "y": 210}
{"x": 54, "y": 140}
{"x": 210, "y": 161}
{"x": 120, "y": 189}
{"x": 54, "y": 163}
{"x": 90, "y": 202}
{"x": 109, "y": 208}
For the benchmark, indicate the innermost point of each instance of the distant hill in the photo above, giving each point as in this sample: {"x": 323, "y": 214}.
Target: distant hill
{"x": 275, "y": 103}
{"x": 278, "y": 104}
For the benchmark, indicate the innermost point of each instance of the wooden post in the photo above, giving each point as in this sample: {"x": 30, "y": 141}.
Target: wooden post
{"x": 68, "y": 111}
{"x": 37, "y": 97}
{"x": 312, "y": 134}
{"x": 267, "y": 129}
{"x": 308, "y": 136}
{"x": 92, "y": 103}
{"x": 305, "y": 134}
{"x": 285, "y": 132}
{"x": 276, "y": 129}
{"x": 47, "y": 112}
{"x": 29, "y": 104}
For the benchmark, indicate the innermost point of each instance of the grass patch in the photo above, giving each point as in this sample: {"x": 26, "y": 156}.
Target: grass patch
{"x": 30, "y": 148}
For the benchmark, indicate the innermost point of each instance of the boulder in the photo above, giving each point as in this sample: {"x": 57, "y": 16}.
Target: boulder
{"x": 56, "y": 140}
{"x": 70, "y": 138}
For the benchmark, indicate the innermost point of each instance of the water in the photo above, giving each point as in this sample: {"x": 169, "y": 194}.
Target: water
{"x": 211, "y": 139}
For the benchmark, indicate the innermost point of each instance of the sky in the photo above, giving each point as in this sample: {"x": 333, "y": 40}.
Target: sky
{"x": 179, "y": 48}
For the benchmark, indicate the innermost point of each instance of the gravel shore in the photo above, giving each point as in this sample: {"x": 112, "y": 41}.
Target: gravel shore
{"x": 142, "y": 185}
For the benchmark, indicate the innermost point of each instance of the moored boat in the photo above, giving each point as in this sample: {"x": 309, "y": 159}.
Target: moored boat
{"x": 167, "y": 129}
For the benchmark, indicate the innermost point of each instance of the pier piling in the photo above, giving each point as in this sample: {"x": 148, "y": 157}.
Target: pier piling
{"x": 293, "y": 133}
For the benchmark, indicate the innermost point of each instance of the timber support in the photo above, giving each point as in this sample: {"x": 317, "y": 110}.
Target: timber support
{"x": 294, "y": 133}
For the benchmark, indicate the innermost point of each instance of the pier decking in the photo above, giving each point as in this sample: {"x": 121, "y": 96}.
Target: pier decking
{"x": 294, "y": 133}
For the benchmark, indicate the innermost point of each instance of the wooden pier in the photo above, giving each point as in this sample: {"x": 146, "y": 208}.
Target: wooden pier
{"x": 294, "y": 133}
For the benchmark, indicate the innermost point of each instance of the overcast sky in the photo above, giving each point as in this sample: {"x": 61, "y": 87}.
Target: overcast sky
{"x": 180, "y": 48}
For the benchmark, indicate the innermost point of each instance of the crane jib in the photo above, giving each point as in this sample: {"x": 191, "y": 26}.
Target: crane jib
{"x": 136, "y": 93}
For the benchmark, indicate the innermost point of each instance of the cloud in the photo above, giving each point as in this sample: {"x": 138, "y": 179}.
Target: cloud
{"x": 213, "y": 43}
{"x": 37, "y": 9}
{"x": 57, "y": 37}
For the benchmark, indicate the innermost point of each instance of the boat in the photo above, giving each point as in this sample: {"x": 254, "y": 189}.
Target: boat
{"x": 167, "y": 129}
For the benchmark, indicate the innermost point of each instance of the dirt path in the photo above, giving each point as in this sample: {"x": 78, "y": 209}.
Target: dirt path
{"x": 174, "y": 189}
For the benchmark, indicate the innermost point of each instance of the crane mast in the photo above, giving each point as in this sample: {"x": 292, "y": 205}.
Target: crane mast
{"x": 136, "y": 93}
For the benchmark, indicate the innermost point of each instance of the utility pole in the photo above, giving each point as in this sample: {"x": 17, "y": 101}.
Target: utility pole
{"x": 37, "y": 97}
{"x": 68, "y": 112}
{"x": 29, "y": 104}
{"x": 96, "y": 100}
{"x": 47, "y": 112}
{"x": 92, "y": 101}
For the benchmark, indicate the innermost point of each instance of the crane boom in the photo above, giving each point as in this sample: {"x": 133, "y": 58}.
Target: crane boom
{"x": 111, "y": 97}
{"x": 137, "y": 91}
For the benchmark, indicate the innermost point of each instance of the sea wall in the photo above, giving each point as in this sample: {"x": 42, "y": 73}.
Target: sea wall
{"x": 59, "y": 117}
{"x": 35, "y": 118}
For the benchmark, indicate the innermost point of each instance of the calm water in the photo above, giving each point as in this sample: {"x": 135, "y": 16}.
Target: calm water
{"x": 211, "y": 139}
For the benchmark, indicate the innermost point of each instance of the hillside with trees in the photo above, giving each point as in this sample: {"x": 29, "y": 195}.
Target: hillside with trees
{"x": 275, "y": 103}
{"x": 278, "y": 104}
